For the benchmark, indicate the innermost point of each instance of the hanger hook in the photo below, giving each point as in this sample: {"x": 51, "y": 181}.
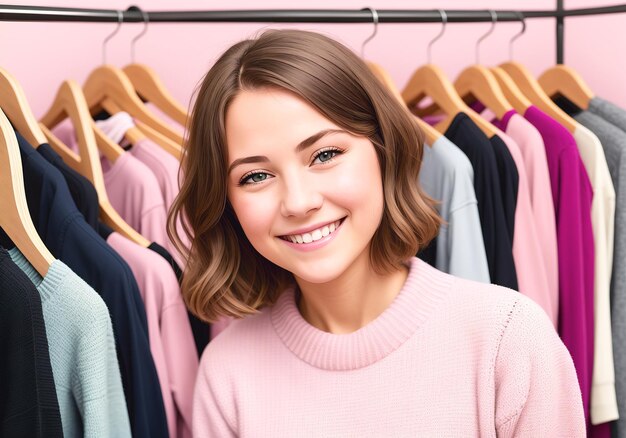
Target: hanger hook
{"x": 141, "y": 34}
{"x": 494, "y": 20}
{"x": 444, "y": 21}
{"x": 120, "y": 17}
{"x": 516, "y": 36}
{"x": 375, "y": 18}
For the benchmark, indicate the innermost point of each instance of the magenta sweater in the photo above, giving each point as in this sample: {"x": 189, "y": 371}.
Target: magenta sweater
{"x": 449, "y": 357}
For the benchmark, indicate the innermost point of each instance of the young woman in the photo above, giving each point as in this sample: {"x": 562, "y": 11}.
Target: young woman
{"x": 301, "y": 199}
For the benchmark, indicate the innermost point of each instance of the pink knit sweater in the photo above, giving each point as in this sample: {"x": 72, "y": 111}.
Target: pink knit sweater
{"x": 449, "y": 357}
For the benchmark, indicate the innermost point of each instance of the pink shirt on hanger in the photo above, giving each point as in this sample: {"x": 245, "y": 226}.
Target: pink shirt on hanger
{"x": 529, "y": 265}
{"x": 533, "y": 153}
{"x": 130, "y": 186}
{"x": 163, "y": 165}
{"x": 171, "y": 340}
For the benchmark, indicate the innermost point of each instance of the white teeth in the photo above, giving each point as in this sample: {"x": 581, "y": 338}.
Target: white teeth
{"x": 313, "y": 235}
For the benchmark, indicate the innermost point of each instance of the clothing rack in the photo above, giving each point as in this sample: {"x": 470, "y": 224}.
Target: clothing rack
{"x": 134, "y": 15}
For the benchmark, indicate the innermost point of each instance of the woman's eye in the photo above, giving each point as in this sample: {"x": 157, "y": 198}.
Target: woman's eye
{"x": 256, "y": 177}
{"x": 325, "y": 156}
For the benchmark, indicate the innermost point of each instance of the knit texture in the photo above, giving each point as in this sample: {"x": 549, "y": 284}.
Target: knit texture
{"x": 614, "y": 144}
{"x": 448, "y": 357}
{"x": 28, "y": 398}
{"x": 82, "y": 353}
{"x": 603, "y": 399}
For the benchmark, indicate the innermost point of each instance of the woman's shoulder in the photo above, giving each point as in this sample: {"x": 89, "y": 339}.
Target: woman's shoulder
{"x": 488, "y": 305}
{"x": 242, "y": 337}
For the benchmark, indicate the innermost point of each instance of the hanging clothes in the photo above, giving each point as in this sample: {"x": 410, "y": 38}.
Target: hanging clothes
{"x": 531, "y": 276}
{"x": 130, "y": 188}
{"x": 163, "y": 165}
{"x": 84, "y": 364}
{"x": 447, "y": 176}
{"x": 572, "y": 195}
{"x": 28, "y": 398}
{"x": 464, "y": 133}
{"x": 602, "y": 220}
{"x": 82, "y": 191}
{"x": 610, "y": 128}
{"x": 604, "y": 406}
{"x": 535, "y": 163}
{"x": 171, "y": 340}
{"x": 67, "y": 235}
{"x": 509, "y": 184}
{"x": 86, "y": 200}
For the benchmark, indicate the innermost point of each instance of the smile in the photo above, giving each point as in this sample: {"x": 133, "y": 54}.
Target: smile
{"x": 314, "y": 235}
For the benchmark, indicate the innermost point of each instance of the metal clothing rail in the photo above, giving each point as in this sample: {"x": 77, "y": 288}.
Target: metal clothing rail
{"x": 56, "y": 14}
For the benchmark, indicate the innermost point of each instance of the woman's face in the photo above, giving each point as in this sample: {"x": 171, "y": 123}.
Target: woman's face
{"x": 307, "y": 194}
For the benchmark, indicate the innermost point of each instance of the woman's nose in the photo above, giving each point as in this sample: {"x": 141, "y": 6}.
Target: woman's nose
{"x": 300, "y": 197}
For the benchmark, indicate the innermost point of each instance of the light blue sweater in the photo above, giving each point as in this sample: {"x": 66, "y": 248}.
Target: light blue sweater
{"x": 447, "y": 176}
{"x": 82, "y": 353}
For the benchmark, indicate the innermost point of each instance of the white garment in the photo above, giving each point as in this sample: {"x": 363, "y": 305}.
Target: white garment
{"x": 603, "y": 404}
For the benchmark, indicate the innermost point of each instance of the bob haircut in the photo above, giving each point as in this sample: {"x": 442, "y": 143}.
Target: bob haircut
{"x": 225, "y": 275}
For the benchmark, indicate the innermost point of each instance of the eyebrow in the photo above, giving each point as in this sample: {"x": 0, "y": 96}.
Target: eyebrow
{"x": 304, "y": 144}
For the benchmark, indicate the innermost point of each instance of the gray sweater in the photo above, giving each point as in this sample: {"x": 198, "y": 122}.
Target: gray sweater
{"x": 608, "y": 122}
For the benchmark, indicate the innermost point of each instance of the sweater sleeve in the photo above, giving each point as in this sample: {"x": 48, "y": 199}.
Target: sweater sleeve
{"x": 212, "y": 402}
{"x": 537, "y": 392}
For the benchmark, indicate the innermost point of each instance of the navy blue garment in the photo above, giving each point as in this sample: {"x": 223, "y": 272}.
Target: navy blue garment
{"x": 83, "y": 192}
{"x": 28, "y": 400}
{"x": 70, "y": 239}
{"x": 464, "y": 133}
{"x": 509, "y": 181}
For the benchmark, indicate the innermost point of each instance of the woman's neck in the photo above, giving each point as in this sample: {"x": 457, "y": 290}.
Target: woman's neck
{"x": 352, "y": 300}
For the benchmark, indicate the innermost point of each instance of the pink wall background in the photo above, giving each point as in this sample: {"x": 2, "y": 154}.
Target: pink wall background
{"x": 42, "y": 55}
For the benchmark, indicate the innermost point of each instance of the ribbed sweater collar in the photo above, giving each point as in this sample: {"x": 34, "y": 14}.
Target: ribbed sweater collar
{"x": 47, "y": 286}
{"x": 423, "y": 290}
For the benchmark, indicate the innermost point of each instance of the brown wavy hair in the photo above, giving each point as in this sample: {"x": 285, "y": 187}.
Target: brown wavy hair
{"x": 224, "y": 274}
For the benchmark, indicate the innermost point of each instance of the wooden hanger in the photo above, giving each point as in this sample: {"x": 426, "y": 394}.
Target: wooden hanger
{"x": 67, "y": 103}
{"x": 15, "y": 219}
{"x": 70, "y": 100}
{"x": 565, "y": 81}
{"x": 16, "y": 108}
{"x": 142, "y": 130}
{"x": 168, "y": 145}
{"x": 511, "y": 91}
{"x": 109, "y": 88}
{"x": 149, "y": 87}
{"x": 430, "y": 133}
{"x": 533, "y": 91}
{"x": 429, "y": 80}
{"x": 477, "y": 82}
